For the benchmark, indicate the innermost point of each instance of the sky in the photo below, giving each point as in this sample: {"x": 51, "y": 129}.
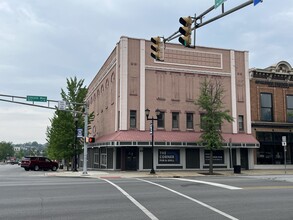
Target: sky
{"x": 45, "y": 42}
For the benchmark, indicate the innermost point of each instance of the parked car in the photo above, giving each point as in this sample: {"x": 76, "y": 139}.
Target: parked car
{"x": 38, "y": 163}
{"x": 13, "y": 162}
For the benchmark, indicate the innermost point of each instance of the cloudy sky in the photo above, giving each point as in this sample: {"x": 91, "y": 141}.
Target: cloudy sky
{"x": 44, "y": 42}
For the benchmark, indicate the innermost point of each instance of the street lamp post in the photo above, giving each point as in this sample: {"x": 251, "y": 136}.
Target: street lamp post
{"x": 152, "y": 119}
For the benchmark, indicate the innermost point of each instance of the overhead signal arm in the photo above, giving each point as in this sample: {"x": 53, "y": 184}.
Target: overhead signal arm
{"x": 198, "y": 20}
{"x": 21, "y": 100}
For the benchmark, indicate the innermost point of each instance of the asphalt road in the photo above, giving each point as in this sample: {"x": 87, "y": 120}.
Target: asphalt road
{"x": 32, "y": 195}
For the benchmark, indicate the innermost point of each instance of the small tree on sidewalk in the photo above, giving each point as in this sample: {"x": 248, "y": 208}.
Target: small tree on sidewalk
{"x": 211, "y": 103}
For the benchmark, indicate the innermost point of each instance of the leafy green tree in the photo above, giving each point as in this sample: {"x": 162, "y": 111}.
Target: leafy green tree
{"x": 61, "y": 134}
{"x": 6, "y": 150}
{"x": 20, "y": 154}
{"x": 211, "y": 103}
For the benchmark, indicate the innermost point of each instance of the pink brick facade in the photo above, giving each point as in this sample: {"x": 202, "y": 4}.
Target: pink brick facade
{"x": 130, "y": 81}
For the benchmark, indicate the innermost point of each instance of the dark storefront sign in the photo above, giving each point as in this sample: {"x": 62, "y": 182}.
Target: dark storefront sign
{"x": 218, "y": 157}
{"x": 169, "y": 156}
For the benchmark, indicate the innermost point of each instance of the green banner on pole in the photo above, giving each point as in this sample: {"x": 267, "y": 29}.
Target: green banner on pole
{"x": 218, "y": 3}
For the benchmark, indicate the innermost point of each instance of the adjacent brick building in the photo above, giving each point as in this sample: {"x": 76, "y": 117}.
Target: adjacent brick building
{"x": 130, "y": 81}
{"x": 272, "y": 113}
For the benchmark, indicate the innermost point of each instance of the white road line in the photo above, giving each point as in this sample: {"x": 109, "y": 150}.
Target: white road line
{"x": 208, "y": 183}
{"x": 133, "y": 200}
{"x": 192, "y": 199}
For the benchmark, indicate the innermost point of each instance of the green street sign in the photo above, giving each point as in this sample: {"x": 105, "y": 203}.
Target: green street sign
{"x": 218, "y": 3}
{"x": 32, "y": 98}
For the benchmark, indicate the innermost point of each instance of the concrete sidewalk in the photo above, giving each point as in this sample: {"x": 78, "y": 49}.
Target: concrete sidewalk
{"x": 165, "y": 174}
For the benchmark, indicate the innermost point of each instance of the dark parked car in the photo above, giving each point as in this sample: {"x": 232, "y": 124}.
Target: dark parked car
{"x": 38, "y": 163}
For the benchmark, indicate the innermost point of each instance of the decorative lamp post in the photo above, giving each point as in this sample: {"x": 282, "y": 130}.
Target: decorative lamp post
{"x": 152, "y": 119}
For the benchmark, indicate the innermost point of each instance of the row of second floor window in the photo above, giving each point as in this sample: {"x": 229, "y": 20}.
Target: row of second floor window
{"x": 267, "y": 107}
{"x": 189, "y": 121}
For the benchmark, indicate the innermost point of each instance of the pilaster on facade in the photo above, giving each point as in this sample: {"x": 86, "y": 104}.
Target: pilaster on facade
{"x": 123, "y": 82}
{"x": 142, "y": 106}
{"x": 233, "y": 92}
{"x": 116, "y": 90}
{"x": 247, "y": 92}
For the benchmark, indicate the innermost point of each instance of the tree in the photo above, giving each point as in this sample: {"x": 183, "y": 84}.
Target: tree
{"x": 211, "y": 103}
{"x": 61, "y": 134}
{"x": 6, "y": 150}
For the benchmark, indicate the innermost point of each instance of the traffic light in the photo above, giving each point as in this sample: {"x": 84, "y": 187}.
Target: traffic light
{"x": 185, "y": 30}
{"x": 91, "y": 140}
{"x": 156, "y": 48}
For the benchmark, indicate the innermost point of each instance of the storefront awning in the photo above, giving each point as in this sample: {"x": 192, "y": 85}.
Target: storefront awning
{"x": 173, "y": 138}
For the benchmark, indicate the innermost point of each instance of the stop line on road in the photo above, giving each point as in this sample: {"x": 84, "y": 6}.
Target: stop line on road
{"x": 209, "y": 183}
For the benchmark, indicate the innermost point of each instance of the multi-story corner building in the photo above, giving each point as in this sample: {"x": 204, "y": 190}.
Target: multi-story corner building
{"x": 131, "y": 81}
{"x": 272, "y": 113}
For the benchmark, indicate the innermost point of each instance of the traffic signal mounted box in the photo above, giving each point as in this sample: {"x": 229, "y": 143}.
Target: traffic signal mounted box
{"x": 91, "y": 140}
{"x": 185, "y": 30}
{"x": 156, "y": 48}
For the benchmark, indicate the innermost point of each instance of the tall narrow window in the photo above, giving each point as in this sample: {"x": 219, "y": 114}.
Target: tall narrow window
{"x": 189, "y": 120}
{"x": 266, "y": 104}
{"x": 189, "y": 87}
{"x": 203, "y": 123}
{"x": 175, "y": 120}
{"x": 240, "y": 123}
{"x": 289, "y": 108}
{"x": 132, "y": 119}
{"x": 161, "y": 82}
{"x": 133, "y": 85}
{"x": 175, "y": 86}
{"x": 161, "y": 120}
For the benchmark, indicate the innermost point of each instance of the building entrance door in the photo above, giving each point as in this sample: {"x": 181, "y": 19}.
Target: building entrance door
{"x": 131, "y": 160}
{"x": 244, "y": 158}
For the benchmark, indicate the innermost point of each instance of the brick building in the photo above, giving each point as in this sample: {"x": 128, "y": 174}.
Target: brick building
{"x": 130, "y": 81}
{"x": 272, "y": 112}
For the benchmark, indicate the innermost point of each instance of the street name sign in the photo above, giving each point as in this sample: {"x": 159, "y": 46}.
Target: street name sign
{"x": 255, "y": 2}
{"x": 218, "y": 3}
{"x": 32, "y": 98}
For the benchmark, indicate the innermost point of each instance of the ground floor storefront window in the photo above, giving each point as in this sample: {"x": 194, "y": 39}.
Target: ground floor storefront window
{"x": 218, "y": 157}
{"x": 271, "y": 150}
{"x": 169, "y": 159}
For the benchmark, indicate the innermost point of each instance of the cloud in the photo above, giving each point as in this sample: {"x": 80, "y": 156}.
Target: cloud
{"x": 4, "y": 7}
{"x": 23, "y": 123}
{"x": 44, "y": 42}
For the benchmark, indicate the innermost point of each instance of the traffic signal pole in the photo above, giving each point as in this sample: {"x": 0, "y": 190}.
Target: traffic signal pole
{"x": 12, "y": 99}
{"x": 84, "y": 172}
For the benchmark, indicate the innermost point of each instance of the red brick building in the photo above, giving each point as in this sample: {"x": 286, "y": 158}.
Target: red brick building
{"x": 130, "y": 81}
{"x": 272, "y": 113}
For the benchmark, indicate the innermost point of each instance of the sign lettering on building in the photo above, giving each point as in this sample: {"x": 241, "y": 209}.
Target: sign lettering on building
{"x": 169, "y": 156}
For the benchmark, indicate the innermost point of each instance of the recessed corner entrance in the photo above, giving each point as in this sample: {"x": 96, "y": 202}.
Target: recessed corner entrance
{"x": 129, "y": 158}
